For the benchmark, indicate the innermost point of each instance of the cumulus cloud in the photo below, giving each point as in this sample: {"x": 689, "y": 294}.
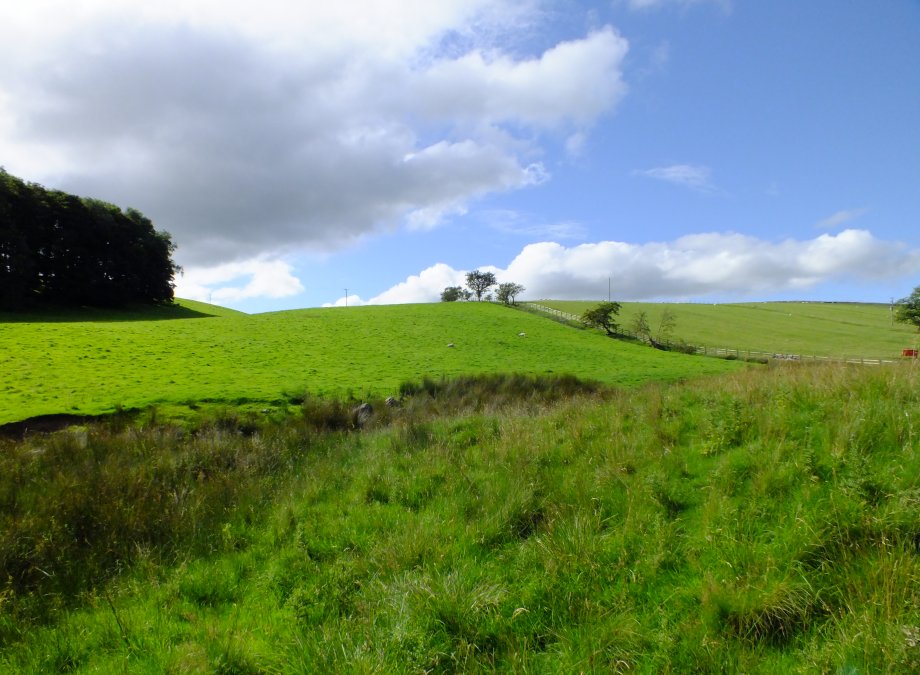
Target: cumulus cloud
{"x": 423, "y": 287}
{"x": 725, "y": 264}
{"x": 350, "y": 301}
{"x": 572, "y": 82}
{"x": 232, "y": 282}
{"x": 256, "y": 129}
{"x": 690, "y": 176}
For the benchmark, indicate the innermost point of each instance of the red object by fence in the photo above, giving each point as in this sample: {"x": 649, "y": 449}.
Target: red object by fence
{"x": 909, "y": 352}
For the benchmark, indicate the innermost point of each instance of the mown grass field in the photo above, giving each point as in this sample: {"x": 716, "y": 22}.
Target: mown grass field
{"x": 767, "y": 521}
{"x": 62, "y": 364}
{"x": 807, "y": 328}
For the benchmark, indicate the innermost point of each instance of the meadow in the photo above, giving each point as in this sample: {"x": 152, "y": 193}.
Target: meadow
{"x": 57, "y": 364}
{"x": 766, "y": 521}
{"x": 836, "y": 330}
{"x": 553, "y": 502}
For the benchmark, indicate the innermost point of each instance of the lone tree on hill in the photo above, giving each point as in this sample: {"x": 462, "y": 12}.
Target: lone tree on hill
{"x": 908, "y": 309}
{"x": 602, "y": 317}
{"x": 666, "y": 325}
{"x": 641, "y": 327}
{"x": 508, "y": 291}
{"x": 479, "y": 282}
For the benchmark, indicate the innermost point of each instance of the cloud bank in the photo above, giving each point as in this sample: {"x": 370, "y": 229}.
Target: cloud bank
{"x": 228, "y": 283}
{"x": 724, "y": 264}
{"x": 254, "y": 129}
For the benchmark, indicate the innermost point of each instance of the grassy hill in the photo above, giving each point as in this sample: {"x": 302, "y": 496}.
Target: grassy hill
{"x": 762, "y": 521}
{"x": 811, "y": 328}
{"x": 61, "y": 364}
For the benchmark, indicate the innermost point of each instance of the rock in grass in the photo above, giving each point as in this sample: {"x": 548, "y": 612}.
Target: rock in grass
{"x": 362, "y": 414}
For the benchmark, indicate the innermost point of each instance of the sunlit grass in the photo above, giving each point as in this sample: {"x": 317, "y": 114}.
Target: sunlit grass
{"x": 767, "y": 521}
{"x": 807, "y": 328}
{"x": 99, "y": 366}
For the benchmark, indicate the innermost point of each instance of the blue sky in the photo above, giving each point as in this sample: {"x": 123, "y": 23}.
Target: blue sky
{"x": 701, "y": 150}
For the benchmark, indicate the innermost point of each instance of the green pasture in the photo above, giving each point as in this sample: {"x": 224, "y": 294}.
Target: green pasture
{"x": 805, "y": 328}
{"x": 762, "y": 522}
{"x": 57, "y": 363}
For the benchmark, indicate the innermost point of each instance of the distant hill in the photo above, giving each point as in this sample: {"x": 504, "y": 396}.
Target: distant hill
{"x": 96, "y": 366}
{"x": 834, "y": 329}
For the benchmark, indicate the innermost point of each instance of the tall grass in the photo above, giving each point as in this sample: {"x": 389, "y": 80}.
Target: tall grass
{"x": 765, "y": 522}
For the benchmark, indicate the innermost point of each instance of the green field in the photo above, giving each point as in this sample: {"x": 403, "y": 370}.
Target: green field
{"x": 762, "y": 520}
{"x": 60, "y": 364}
{"x": 766, "y": 521}
{"x": 807, "y": 328}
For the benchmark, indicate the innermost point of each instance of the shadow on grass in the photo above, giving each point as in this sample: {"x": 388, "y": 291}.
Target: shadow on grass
{"x": 101, "y": 314}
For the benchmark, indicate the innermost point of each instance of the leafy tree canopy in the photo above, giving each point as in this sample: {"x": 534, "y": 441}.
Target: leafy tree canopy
{"x": 60, "y": 249}
{"x": 480, "y": 282}
{"x": 908, "y": 309}
{"x": 508, "y": 291}
{"x": 602, "y": 317}
{"x": 455, "y": 293}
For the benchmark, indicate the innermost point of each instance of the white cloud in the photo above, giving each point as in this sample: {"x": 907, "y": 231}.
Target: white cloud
{"x": 573, "y": 82}
{"x": 690, "y": 176}
{"x": 256, "y": 129}
{"x": 841, "y": 217}
{"x": 423, "y": 287}
{"x": 350, "y": 301}
{"x": 724, "y": 264}
{"x": 232, "y": 282}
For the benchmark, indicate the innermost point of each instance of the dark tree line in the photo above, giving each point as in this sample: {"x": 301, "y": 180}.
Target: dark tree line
{"x": 59, "y": 249}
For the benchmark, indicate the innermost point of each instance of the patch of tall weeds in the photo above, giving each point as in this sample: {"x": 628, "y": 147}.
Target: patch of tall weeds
{"x": 766, "y": 522}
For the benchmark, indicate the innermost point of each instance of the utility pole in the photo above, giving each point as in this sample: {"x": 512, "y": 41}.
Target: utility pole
{"x": 608, "y": 289}
{"x": 346, "y": 297}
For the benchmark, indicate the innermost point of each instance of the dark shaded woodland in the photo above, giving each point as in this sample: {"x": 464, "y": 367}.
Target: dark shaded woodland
{"x": 57, "y": 249}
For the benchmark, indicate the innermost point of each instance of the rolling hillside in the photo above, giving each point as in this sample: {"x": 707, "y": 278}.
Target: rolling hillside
{"x": 812, "y": 328}
{"x": 62, "y": 365}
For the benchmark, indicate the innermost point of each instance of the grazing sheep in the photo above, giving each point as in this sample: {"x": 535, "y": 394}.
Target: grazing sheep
{"x": 522, "y": 334}
{"x": 450, "y": 344}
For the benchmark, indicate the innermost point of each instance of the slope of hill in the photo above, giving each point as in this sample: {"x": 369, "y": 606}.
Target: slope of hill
{"x": 178, "y": 309}
{"x": 818, "y": 328}
{"x": 98, "y": 366}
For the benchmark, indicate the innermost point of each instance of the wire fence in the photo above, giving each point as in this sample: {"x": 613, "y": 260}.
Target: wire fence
{"x": 725, "y": 352}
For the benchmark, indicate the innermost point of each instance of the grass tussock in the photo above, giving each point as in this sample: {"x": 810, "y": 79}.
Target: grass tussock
{"x": 766, "y": 522}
